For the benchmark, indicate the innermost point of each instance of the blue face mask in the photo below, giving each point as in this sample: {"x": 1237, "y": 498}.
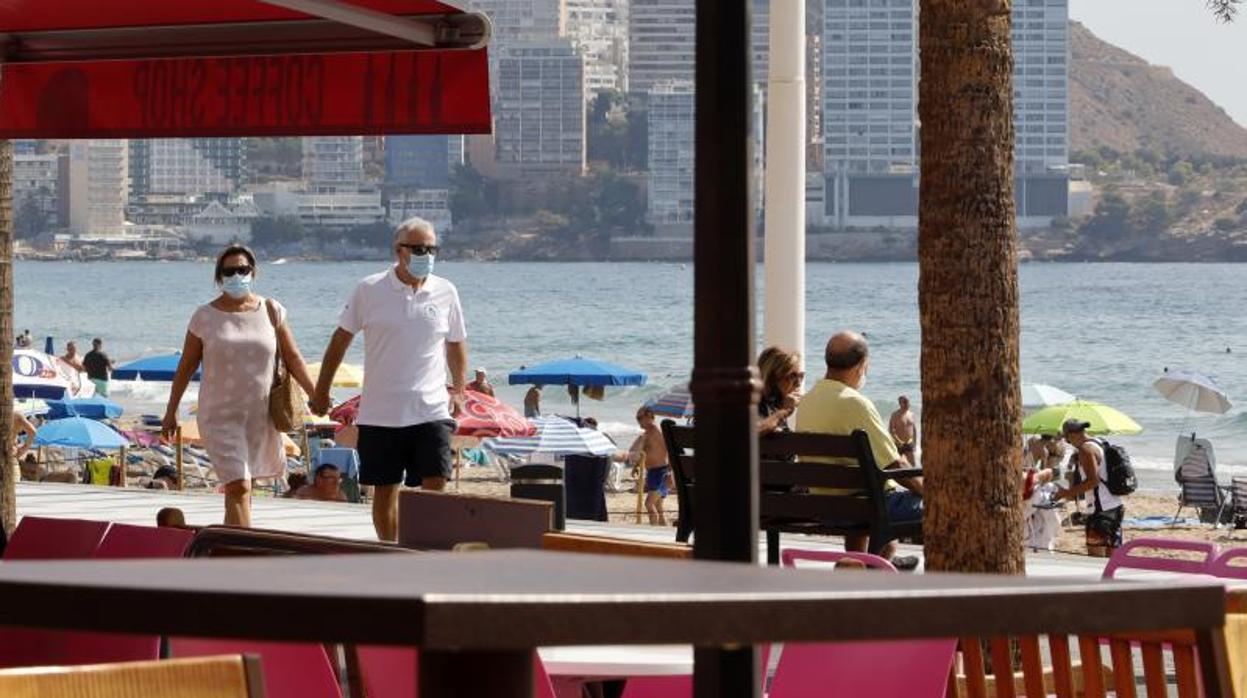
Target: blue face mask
{"x": 237, "y": 286}
{"x": 420, "y": 266}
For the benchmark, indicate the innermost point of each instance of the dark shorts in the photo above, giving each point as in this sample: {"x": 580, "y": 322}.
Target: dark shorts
{"x": 1104, "y": 528}
{"x": 393, "y": 455}
{"x": 906, "y": 448}
{"x": 656, "y": 480}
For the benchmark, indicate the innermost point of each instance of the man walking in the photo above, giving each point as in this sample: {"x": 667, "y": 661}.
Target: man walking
{"x": 1103, "y": 525}
{"x": 98, "y": 366}
{"x": 413, "y": 331}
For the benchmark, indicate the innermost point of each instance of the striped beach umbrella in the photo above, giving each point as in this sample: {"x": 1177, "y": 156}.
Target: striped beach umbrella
{"x": 555, "y": 436}
{"x": 675, "y": 402}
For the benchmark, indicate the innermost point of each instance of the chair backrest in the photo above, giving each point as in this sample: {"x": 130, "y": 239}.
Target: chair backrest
{"x": 1201, "y": 491}
{"x": 209, "y": 677}
{"x": 1125, "y": 557}
{"x": 790, "y": 556}
{"x": 124, "y": 541}
{"x": 603, "y": 545}
{"x": 1231, "y": 564}
{"x": 440, "y": 520}
{"x": 40, "y": 538}
{"x": 1238, "y": 491}
{"x": 214, "y": 541}
{"x": 291, "y": 670}
{"x": 391, "y": 672}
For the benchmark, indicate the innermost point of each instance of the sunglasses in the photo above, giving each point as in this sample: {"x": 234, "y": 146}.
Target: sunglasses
{"x": 419, "y": 250}
{"x": 232, "y": 271}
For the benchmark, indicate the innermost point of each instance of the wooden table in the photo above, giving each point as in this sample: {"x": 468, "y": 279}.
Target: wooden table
{"x": 473, "y": 610}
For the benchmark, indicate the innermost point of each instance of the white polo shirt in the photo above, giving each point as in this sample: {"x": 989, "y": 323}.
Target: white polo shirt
{"x": 405, "y": 335}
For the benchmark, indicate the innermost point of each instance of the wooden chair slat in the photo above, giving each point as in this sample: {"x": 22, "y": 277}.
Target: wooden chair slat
{"x": 807, "y": 444}
{"x": 1184, "y": 667}
{"x": 1092, "y": 676}
{"x": 604, "y": 545}
{"x": 1032, "y": 666}
{"x": 780, "y": 505}
{"x": 1154, "y": 670}
{"x": 1062, "y": 669}
{"x": 787, "y": 474}
{"x": 976, "y": 678}
{"x": 1123, "y": 668}
{"x": 207, "y": 677}
{"x": 1002, "y": 667}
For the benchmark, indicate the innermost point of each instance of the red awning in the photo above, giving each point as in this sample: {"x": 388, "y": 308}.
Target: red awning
{"x": 152, "y": 68}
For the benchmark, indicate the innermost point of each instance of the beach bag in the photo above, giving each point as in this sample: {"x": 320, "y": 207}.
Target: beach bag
{"x": 285, "y": 404}
{"x": 1121, "y": 477}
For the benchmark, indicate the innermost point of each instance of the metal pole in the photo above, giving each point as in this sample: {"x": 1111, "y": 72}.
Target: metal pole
{"x": 725, "y": 386}
{"x": 784, "y": 317}
{"x": 177, "y": 457}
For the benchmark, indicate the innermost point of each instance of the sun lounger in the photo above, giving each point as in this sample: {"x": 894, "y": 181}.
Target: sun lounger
{"x": 210, "y": 677}
{"x": 1196, "y": 475}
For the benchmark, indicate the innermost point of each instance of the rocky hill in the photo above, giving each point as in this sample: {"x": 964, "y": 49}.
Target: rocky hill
{"x": 1119, "y": 100}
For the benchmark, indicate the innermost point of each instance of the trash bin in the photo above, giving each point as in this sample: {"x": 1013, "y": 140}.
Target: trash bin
{"x": 585, "y": 478}
{"x": 544, "y": 483}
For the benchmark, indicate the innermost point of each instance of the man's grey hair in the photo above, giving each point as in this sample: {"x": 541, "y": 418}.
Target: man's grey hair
{"x": 413, "y": 223}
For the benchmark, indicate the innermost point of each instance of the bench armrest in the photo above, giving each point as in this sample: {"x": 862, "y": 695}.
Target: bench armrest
{"x": 901, "y": 473}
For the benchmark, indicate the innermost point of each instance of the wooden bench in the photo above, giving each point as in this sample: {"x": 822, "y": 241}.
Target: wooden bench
{"x": 786, "y": 504}
{"x": 209, "y": 677}
{"x": 603, "y": 545}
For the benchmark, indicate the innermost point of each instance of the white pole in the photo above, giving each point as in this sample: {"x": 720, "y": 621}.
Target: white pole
{"x": 784, "y": 317}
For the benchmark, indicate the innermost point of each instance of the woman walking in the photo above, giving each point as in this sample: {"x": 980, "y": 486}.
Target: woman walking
{"x": 237, "y": 337}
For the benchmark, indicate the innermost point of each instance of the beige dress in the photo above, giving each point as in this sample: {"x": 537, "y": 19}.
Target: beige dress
{"x": 238, "y": 354}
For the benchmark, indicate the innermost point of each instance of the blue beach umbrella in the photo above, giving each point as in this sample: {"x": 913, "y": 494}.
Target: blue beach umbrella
{"x": 675, "y": 402}
{"x": 576, "y": 371}
{"x": 557, "y": 436}
{"x": 78, "y": 432}
{"x": 91, "y": 407}
{"x": 151, "y": 368}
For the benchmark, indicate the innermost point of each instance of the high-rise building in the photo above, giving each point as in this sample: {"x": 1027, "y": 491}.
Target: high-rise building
{"x": 420, "y": 162}
{"x": 671, "y": 152}
{"x": 1041, "y": 109}
{"x": 521, "y": 21}
{"x": 97, "y": 187}
{"x": 661, "y": 35}
{"x": 870, "y": 73}
{"x": 192, "y": 167}
{"x": 333, "y": 164}
{"x": 540, "y": 108}
{"x": 36, "y": 181}
{"x": 599, "y": 28}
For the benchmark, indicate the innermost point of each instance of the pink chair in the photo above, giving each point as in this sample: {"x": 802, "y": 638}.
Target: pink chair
{"x": 790, "y": 557}
{"x": 898, "y": 668}
{"x": 291, "y": 670}
{"x": 39, "y": 538}
{"x": 126, "y": 542}
{"x": 1223, "y": 566}
{"x": 1125, "y": 557}
{"x": 674, "y": 686}
{"x": 390, "y": 672}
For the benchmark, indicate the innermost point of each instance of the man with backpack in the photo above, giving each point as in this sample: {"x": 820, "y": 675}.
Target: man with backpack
{"x": 1103, "y": 524}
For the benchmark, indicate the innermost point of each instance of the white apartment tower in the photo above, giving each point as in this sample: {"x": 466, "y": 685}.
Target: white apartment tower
{"x": 661, "y": 35}
{"x": 540, "y": 108}
{"x": 333, "y": 164}
{"x": 518, "y": 21}
{"x": 599, "y": 28}
{"x": 671, "y": 151}
{"x": 1041, "y": 84}
{"x": 98, "y": 187}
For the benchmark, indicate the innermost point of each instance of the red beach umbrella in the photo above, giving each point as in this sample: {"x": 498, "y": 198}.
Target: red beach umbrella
{"x": 486, "y": 417}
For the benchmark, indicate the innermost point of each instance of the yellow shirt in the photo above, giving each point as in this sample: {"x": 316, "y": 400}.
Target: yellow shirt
{"x": 834, "y": 408}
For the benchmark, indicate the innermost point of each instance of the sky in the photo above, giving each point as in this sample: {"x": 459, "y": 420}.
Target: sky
{"x": 1180, "y": 34}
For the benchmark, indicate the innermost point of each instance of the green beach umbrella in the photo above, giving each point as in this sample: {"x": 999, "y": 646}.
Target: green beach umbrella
{"x": 1104, "y": 419}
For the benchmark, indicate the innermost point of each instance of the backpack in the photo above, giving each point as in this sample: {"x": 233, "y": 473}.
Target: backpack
{"x": 1121, "y": 478}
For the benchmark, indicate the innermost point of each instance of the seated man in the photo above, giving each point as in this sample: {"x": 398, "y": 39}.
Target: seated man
{"x": 325, "y": 488}
{"x": 835, "y": 407}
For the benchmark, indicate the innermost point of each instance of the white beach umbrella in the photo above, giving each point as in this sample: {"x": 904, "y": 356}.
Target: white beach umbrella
{"x": 556, "y": 436}
{"x": 1042, "y": 395}
{"x": 1195, "y": 391}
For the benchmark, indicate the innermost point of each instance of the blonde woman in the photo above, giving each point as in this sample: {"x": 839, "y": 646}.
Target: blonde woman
{"x": 782, "y": 379}
{"x": 236, "y": 337}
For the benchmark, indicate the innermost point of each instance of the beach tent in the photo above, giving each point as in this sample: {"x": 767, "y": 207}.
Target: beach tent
{"x": 40, "y": 375}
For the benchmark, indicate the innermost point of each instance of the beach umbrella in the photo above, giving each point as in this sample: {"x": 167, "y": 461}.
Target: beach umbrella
{"x": 346, "y": 412}
{"x": 555, "y": 436}
{"x": 1103, "y": 419}
{"x": 191, "y": 435}
{"x": 677, "y": 402}
{"x": 1042, "y": 395}
{"x": 576, "y": 371}
{"x": 79, "y": 432}
{"x": 96, "y": 407}
{"x": 347, "y": 375}
{"x": 485, "y": 416}
{"x": 151, "y": 368}
{"x": 1195, "y": 391}
{"x": 40, "y": 375}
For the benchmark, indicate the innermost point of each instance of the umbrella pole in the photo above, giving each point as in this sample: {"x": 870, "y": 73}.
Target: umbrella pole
{"x": 121, "y": 467}
{"x": 458, "y": 466}
{"x": 307, "y": 456}
{"x": 640, "y": 487}
{"x": 177, "y": 457}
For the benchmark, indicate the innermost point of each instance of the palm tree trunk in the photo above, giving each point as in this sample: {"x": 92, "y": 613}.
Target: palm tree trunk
{"x": 968, "y": 289}
{"x": 8, "y": 469}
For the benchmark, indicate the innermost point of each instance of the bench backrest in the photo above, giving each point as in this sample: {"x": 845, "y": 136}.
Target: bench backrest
{"x": 212, "y": 677}
{"x": 440, "y": 520}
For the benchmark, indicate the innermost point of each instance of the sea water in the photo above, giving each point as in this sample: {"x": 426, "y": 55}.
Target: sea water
{"x": 1103, "y": 332}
